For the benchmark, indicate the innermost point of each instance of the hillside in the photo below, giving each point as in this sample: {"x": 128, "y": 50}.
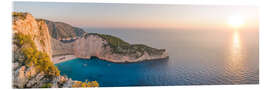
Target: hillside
{"x": 63, "y": 31}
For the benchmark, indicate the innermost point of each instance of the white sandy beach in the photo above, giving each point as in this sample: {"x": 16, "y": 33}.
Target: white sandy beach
{"x": 59, "y": 59}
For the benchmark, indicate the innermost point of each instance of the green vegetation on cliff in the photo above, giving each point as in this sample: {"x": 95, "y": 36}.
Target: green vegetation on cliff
{"x": 33, "y": 57}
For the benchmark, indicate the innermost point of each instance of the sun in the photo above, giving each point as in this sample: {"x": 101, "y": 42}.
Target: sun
{"x": 235, "y": 21}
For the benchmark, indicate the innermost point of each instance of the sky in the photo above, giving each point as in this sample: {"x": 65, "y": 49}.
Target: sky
{"x": 145, "y": 16}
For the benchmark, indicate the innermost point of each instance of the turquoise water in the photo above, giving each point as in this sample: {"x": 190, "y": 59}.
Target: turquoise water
{"x": 196, "y": 58}
{"x": 113, "y": 74}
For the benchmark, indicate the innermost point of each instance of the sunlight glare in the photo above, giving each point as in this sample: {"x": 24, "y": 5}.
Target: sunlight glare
{"x": 235, "y": 21}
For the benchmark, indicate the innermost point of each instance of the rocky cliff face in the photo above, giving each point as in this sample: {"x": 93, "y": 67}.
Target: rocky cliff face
{"x": 31, "y": 42}
{"x": 59, "y": 48}
{"x": 28, "y": 25}
{"x": 113, "y": 49}
{"x": 88, "y": 46}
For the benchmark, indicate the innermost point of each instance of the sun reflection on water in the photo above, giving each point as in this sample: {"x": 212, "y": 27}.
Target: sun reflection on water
{"x": 235, "y": 62}
{"x": 236, "y": 42}
{"x": 236, "y": 48}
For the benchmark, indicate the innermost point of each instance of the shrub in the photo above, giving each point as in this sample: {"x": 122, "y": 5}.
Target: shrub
{"x": 33, "y": 57}
{"x": 21, "y": 39}
{"x": 85, "y": 84}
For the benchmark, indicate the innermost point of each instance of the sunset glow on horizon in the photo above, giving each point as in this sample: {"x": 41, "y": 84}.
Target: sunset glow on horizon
{"x": 145, "y": 16}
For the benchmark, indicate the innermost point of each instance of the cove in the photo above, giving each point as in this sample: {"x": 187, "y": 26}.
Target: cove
{"x": 114, "y": 74}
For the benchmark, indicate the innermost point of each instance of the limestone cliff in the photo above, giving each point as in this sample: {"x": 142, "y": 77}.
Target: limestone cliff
{"x": 114, "y": 49}
{"x": 106, "y": 47}
{"x": 32, "y": 65}
{"x": 59, "y": 48}
{"x": 26, "y": 24}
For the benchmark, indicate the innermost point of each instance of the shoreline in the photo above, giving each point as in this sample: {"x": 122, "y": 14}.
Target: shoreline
{"x": 127, "y": 61}
{"x": 63, "y": 58}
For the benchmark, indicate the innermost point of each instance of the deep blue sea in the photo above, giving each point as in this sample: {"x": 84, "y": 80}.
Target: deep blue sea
{"x": 197, "y": 57}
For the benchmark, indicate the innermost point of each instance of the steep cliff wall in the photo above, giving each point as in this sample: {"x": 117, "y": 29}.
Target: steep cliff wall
{"x": 32, "y": 65}
{"x": 26, "y": 24}
{"x": 59, "y": 48}
{"x": 88, "y": 46}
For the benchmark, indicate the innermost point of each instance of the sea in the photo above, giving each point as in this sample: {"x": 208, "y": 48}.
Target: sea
{"x": 196, "y": 57}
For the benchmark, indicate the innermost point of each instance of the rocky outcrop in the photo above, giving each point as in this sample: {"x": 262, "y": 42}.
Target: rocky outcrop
{"x": 113, "y": 49}
{"x": 105, "y": 47}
